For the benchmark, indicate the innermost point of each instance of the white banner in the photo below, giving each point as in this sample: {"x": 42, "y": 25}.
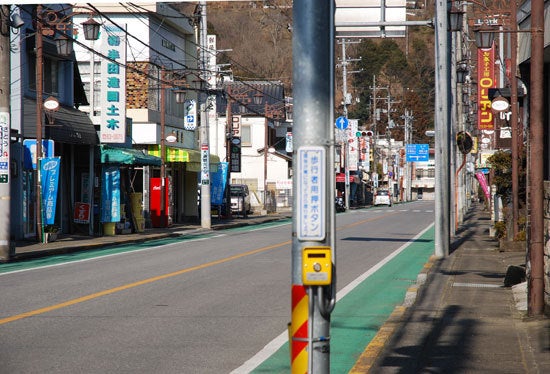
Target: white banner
{"x": 113, "y": 91}
{"x": 353, "y": 145}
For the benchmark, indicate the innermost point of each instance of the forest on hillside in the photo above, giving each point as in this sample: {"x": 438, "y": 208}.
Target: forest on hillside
{"x": 258, "y": 38}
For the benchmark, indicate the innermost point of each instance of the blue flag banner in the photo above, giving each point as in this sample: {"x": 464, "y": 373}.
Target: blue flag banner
{"x": 217, "y": 184}
{"x": 110, "y": 194}
{"x": 49, "y": 174}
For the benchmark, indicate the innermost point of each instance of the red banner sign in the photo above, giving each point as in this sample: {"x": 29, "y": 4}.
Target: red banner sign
{"x": 485, "y": 80}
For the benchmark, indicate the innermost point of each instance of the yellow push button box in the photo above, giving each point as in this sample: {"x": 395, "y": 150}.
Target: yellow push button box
{"x": 316, "y": 266}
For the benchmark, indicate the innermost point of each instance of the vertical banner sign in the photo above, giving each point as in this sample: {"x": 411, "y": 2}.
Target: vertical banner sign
{"x": 217, "y": 188}
{"x": 486, "y": 80}
{"x": 4, "y": 147}
{"x": 311, "y": 193}
{"x": 205, "y": 165}
{"x": 288, "y": 142}
{"x": 211, "y": 60}
{"x": 212, "y": 76}
{"x": 483, "y": 183}
{"x": 190, "y": 122}
{"x": 236, "y": 126}
{"x": 49, "y": 173}
{"x": 353, "y": 145}
{"x": 113, "y": 93}
{"x": 110, "y": 194}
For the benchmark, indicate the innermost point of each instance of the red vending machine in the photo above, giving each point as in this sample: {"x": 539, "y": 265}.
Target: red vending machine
{"x": 155, "y": 202}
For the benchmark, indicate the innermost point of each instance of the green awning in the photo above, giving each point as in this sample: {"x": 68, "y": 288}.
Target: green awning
{"x": 127, "y": 156}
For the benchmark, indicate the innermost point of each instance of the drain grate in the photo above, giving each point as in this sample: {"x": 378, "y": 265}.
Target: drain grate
{"x": 476, "y": 285}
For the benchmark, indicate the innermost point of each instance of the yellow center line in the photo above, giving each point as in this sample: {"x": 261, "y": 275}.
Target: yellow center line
{"x": 135, "y": 284}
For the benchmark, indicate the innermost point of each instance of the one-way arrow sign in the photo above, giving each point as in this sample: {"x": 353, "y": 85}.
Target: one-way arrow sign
{"x": 342, "y": 123}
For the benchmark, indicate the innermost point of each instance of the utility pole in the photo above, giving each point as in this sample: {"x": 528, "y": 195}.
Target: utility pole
{"x": 345, "y": 102}
{"x": 514, "y": 117}
{"x": 5, "y": 134}
{"x": 408, "y": 117}
{"x": 39, "y": 115}
{"x": 313, "y": 224}
{"x": 228, "y": 138}
{"x": 536, "y": 136}
{"x": 442, "y": 136}
{"x": 203, "y": 136}
{"x": 374, "y": 167}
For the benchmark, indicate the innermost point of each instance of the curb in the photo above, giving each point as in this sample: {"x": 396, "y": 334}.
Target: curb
{"x": 94, "y": 243}
{"x": 373, "y": 350}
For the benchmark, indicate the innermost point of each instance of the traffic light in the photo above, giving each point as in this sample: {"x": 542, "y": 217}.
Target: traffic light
{"x": 363, "y": 133}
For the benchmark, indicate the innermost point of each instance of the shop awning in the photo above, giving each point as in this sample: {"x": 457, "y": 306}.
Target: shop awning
{"x": 191, "y": 156}
{"x": 71, "y": 126}
{"x": 176, "y": 154}
{"x": 127, "y": 156}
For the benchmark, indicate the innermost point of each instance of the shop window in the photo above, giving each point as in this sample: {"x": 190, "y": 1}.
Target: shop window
{"x": 50, "y": 75}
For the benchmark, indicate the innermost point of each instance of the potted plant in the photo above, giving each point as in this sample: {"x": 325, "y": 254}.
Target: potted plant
{"x": 50, "y": 233}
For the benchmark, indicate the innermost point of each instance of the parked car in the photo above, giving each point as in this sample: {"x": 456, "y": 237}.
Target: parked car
{"x": 382, "y": 197}
{"x": 240, "y": 199}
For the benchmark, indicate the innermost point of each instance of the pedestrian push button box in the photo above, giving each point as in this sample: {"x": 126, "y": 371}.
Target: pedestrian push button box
{"x": 316, "y": 266}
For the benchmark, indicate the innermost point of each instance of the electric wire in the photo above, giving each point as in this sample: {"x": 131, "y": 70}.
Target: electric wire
{"x": 159, "y": 81}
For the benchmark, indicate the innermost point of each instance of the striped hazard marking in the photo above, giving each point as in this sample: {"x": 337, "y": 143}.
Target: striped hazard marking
{"x": 298, "y": 355}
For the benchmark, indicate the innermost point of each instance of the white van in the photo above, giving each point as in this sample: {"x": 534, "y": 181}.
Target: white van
{"x": 240, "y": 199}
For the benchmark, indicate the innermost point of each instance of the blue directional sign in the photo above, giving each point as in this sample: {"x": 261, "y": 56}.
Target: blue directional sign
{"x": 342, "y": 123}
{"x": 417, "y": 152}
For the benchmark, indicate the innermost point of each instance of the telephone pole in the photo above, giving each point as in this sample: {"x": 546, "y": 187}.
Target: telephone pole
{"x": 5, "y": 136}
{"x": 203, "y": 135}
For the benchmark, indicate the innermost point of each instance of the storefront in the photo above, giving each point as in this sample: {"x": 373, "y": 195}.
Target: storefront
{"x": 121, "y": 189}
{"x": 183, "y": 167}
{"x": 70, "y": 136}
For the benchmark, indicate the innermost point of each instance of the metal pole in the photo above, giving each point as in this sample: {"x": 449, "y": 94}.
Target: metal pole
{"x": 514, "y": 117}
{"x": 266, "y": 137}
{"x": 228, "y": 137}
{"x": 374, "y": 167}
{"x": 442, "y": 140}
{"x": 205, "y": 152}
{"x": 91, "y": 174}
{"x": 345, "y": 141}
{"x": 163, "y": 218}
{"x": 536, "y": 192}
{"x": 5, "y": 130}
{"x": 39, "y": 115}
{"x": 313, "y": 77}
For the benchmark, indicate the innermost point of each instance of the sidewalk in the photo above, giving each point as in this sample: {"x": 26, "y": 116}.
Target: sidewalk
{"x": 73, "y": 243}
{"x": 463, "y": 319}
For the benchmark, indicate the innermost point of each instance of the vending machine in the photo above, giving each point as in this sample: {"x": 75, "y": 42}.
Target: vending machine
{"x": 158, "y": 217}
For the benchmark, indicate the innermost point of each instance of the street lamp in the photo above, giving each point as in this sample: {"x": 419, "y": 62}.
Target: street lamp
{"x": 46, "y": 24}
{"x": 484, "y": 37}
{"x": 455, "y": 16}
{"x": 462, "y": 72}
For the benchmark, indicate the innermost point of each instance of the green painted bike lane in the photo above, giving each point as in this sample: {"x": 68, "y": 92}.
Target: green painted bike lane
{"x": 359, "y": 315}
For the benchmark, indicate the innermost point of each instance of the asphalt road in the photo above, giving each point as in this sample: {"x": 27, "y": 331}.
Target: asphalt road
{"x": 205, "y": 305}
